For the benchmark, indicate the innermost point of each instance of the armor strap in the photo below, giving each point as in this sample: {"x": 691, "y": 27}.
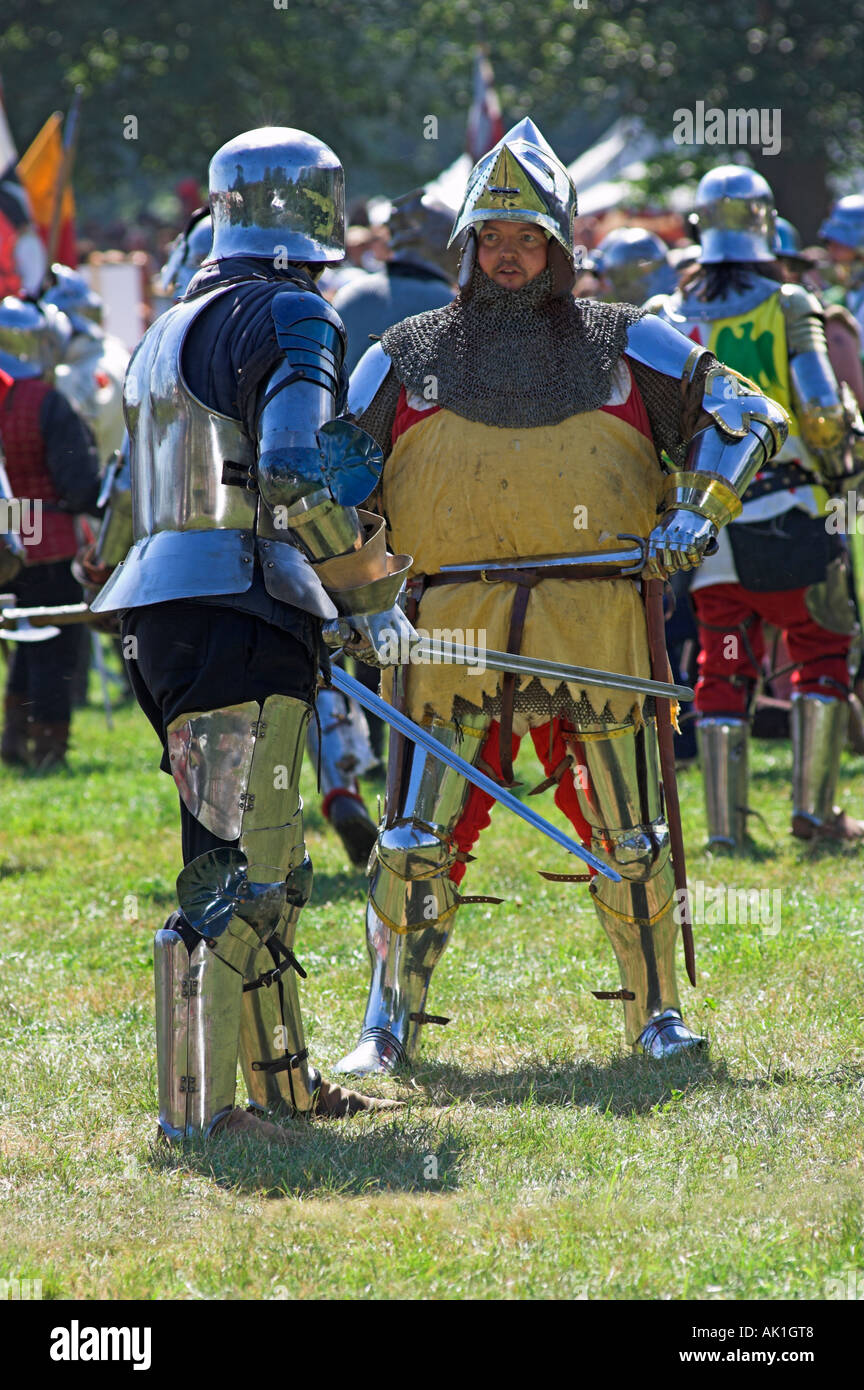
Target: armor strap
{"x": 525, "y": 583}
{"x": 270, "y": 977}
{"x": 554, "y": 777}
{"x": 282, "y": 1063}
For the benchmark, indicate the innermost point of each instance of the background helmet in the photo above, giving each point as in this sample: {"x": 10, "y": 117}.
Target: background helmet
{"x": 635, "y": 263}
{"x": 188, "y": 254}
{"x": 33, "y": 337}
{"x": 787, "y": 239}
{"x": 277, "y": 192}
{"x": 521, "y": 180}
{"x": 845, "y": 222}
{"x": 419, "y": 227}
{"x": 71, "y": 293}
{"x": 735, "y": 216}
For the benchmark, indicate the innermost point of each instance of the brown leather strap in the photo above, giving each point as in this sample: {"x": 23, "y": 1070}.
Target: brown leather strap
{"x": 554, "y": 777}
{"x": 524, "y": 584}
{"x": 514, "y": 576}
{"x": 613, "y": 994}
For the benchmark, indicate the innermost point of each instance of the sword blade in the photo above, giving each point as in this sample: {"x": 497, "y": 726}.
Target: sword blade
{"x": 449, "y": 652}
{"x": 406, "y": 726}
{"x": 625, "y": 562}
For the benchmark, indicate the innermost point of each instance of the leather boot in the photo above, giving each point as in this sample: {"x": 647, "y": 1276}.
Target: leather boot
{"x": 14, "y": 746}
{"x": 334, "y": 1102}
{"x": 49, "y": 745}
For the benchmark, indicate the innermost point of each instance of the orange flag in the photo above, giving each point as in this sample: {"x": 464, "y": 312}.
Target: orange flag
{"x": 39, "y": 171}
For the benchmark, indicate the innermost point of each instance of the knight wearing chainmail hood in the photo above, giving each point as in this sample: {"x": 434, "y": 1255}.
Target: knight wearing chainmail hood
{"x": 520, "y": 424}
{"x": 247, "y": 539}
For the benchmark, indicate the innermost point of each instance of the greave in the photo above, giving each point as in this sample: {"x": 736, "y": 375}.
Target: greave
{"x": 642, "y": 929}
{"x": 722, "y": 745}
{"x": 197, "y": 1025}
{"x": 818, "y": 725}
{"x": 402, "y": 965}
{"x": 623, "y": 805}
{"x": 272, "y": 1047}
{"x": 412, "y": 899}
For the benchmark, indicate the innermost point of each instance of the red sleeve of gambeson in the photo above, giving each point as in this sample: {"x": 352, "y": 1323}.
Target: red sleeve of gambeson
{"x": 407, "y": 415}
{"x": 633, "y": 409}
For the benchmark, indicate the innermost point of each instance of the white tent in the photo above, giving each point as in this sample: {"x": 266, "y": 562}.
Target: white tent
{"x": 603, "y": 176}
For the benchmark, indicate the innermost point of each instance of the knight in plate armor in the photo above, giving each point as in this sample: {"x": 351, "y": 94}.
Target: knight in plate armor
{"x": 94, "y": 362}
{"x": 497, "y": 411}
{"x": 247, "y": 539}
{"x": 779, "y": 561}
{"x": 843, "y": 235}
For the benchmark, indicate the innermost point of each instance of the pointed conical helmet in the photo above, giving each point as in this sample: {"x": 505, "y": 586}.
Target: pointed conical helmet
{"x": 521, "y": 180}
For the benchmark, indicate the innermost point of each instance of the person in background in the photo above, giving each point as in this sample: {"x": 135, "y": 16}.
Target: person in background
{"x": 51, "y": 462}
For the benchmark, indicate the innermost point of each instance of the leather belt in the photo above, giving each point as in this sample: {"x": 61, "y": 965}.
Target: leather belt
{"x": 525, "y": 579}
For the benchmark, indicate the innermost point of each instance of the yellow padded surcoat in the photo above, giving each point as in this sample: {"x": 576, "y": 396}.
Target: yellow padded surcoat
{"x": 456, "y": 492}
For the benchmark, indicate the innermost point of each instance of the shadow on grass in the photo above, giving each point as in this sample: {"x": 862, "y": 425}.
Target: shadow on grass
{"x": 353, "y": 1159}
{"x": 624, "y": 1086}
{"x": 8, "y": 869}
{"x": 752, "y": 852}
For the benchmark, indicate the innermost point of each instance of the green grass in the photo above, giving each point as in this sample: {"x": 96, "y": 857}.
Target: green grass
{"x": 535, "y": 1159}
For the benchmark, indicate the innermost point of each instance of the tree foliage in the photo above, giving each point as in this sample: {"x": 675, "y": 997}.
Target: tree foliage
{"x": 363, "y": 75}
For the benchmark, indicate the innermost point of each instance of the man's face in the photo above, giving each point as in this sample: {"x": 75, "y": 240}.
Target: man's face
{"x": 840, "y": 253}
{"x": 511, "y": 253}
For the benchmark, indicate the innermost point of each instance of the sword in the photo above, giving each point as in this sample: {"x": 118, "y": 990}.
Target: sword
{"x": 665, "y": 743}
{"x": 63, "y": 615}
{"x": 599, "y": 564}
{"x": 449, "y": 652}
{"x": 406, "y": 726}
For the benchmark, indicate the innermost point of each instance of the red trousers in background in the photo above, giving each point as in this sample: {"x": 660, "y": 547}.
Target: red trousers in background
{"x": 820, "y": 656}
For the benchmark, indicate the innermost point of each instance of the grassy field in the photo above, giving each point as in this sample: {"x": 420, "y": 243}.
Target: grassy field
{"x": 535, "y": 1159}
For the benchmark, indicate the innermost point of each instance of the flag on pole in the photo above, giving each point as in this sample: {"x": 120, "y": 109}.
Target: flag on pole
{"x": 485, "y": 126}
{"x": 40, "y": 169}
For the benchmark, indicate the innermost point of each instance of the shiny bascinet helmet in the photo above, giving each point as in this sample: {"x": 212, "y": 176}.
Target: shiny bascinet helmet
{"x": 188, "y": 254}
{"x": 845, "y": 222}
{"x": 735, "y": 216}
{"x": 635, "y": 263}
{"x": 279, "y": 193}
{"x": 521, "y": 180}
{"x": 33, "y": 337}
